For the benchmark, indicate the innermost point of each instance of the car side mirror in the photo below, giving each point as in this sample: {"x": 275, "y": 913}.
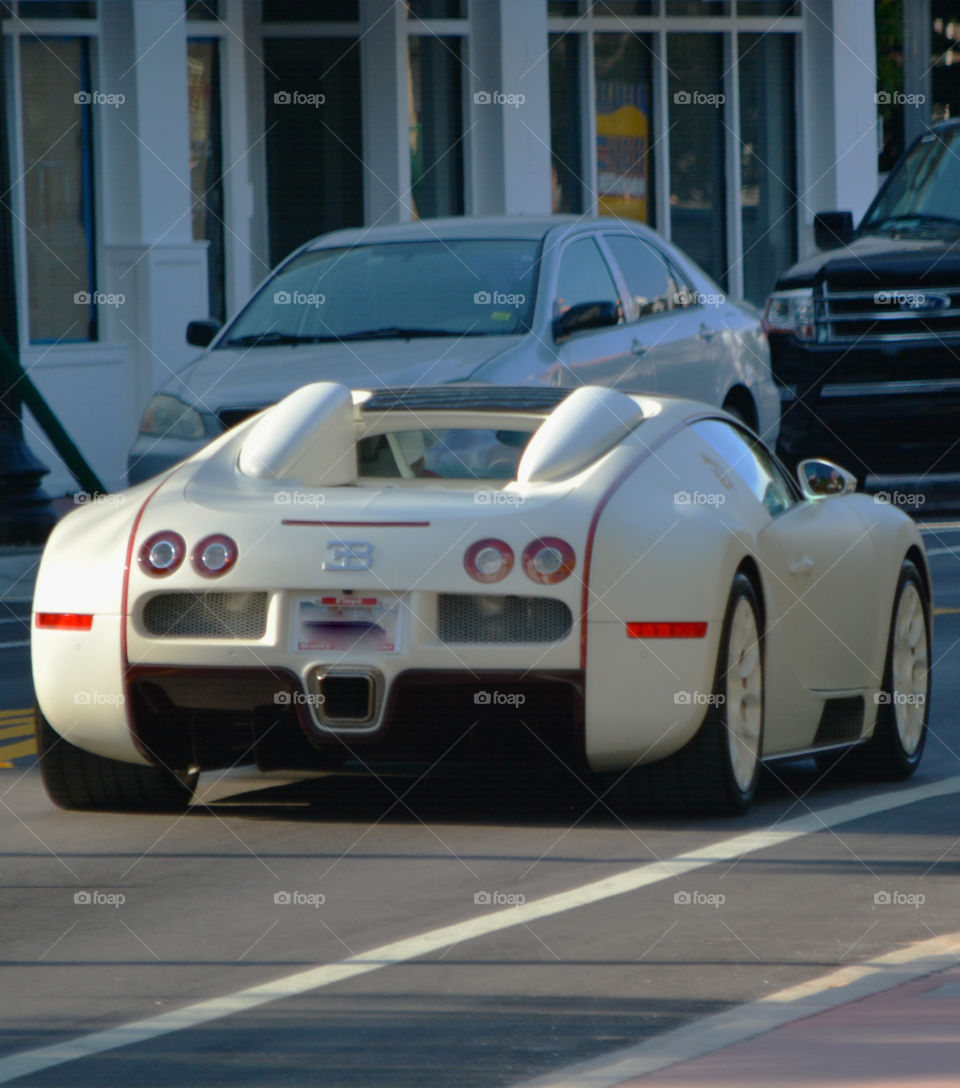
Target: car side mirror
{"x": 832, "y": 229}
{"x": 202, "y": 333}
{"x": 820, "y": 479}
{"x": 585, "y": 315}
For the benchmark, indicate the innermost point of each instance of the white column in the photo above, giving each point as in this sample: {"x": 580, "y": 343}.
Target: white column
{"x": 839, "y": 122}
{"x": 148, "y": 252}
{"x": 386, "y": 113}
{"x": 510, "y": 137}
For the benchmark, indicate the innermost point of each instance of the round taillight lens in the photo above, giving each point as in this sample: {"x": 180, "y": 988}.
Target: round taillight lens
{"x": 162, "y": 553}
{"x": 214, "y": 555}
{"x": 548, "y": 560}
{"x": 488, "y": 560}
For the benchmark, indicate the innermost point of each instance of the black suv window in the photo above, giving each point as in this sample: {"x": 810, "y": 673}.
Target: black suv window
{"x": 652, "y": 284}
{"x": 584, "y": 277}
{"x": 926, "y": 185}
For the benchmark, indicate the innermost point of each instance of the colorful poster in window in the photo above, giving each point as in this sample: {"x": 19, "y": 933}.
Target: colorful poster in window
{"x": 623, "y": 141}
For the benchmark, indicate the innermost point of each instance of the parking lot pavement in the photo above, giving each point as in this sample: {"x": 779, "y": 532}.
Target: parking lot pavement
{"x": 894, "y": 1020}
{"x": 18, "y": 567}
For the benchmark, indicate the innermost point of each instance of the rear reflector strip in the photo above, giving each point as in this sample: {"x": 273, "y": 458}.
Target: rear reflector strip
{"x": 65, "y": 621}
{"x": 686, "y": 629}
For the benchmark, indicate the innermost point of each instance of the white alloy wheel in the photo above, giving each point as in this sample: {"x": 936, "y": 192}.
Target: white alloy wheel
{"x": 743, "y": 691}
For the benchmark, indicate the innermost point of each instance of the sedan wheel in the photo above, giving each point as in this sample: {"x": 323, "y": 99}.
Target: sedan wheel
{"x": 743, "y": 694}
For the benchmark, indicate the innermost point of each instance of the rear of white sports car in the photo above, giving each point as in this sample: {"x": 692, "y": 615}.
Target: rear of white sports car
{"x": 382, "y": 580}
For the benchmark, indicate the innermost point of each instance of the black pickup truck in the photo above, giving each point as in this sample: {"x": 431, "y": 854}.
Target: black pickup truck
{"x": 865, "y": 335}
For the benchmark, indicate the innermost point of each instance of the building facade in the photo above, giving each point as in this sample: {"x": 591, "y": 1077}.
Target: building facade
{"x": 166, "y": 153}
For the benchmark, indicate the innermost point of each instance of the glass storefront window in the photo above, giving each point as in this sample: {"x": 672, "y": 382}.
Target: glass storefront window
{"x": 57, "y": 9}
{"x": 624, "y": 111}
{"x": 698, "y": 7}
{"x": 566, "y": 182}
{"x": 768, "y": 171}
{"x": 310, "y": 11}
{"x": 698, "y": 221}
{"x": 58, "y": 183}
{"x": 945, "y": 59}
{"x": 206, "y": 182}
{"x": 436, "y": 126}
{"x": 313, "y": 139}
{"x": 436, "y": 9}
{"x": 203, "y": 9}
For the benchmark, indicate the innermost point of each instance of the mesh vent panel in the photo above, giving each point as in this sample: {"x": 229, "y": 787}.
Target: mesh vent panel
{"x": 206, "y": 615}
{"x": 473, "y": 618}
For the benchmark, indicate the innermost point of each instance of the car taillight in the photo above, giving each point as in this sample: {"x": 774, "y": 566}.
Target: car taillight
{"x": 64, "y": 621}
{"x": 488, "y": 560}
{"x": 667, "y": 629}
{"x": 214, "y": 555}
{"x": 162, "y": 553}
{"x": 548, "y": 560}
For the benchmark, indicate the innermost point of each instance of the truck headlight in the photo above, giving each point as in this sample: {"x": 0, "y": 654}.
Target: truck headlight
{"x": 165, "y": 415}
{"x": 791, "y": 312}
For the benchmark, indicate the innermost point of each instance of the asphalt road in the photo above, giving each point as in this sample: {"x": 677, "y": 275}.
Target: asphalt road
{"x": 109, "y": 920}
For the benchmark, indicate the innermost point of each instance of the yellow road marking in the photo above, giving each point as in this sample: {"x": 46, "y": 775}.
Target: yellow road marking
{"x": 4, "y": 714}
{"x": 945, "y": 611}
{"x": 15, "y": 751}
{"x": 21, "y": 729}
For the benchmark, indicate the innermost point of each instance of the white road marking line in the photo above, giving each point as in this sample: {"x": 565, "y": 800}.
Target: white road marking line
{"x": 938, "y": 526}
{"x": 14, "y": 645}
{"x": 758, "y": 1017}
{"x": 410, "y": 948}
{"x": 943, "y": 551}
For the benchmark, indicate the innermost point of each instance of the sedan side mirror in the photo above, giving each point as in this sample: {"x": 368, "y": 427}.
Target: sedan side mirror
{"x": 585, "y": 315}
{"x": 820, "y": 479}
{"x": 832, "y": 229}
{"x": 202, "y": 333}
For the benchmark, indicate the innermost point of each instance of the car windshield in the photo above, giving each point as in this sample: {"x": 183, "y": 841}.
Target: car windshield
{"x": 395, "y": 290}
{"x": 924, "y": 191}
{"x": 453, "y": 453}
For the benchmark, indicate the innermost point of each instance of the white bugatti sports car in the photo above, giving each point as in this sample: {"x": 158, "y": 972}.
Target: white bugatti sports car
{"x": 633, "y": 581}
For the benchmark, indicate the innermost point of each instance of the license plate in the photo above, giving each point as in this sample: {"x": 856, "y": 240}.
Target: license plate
{"x": 339, "y": 623}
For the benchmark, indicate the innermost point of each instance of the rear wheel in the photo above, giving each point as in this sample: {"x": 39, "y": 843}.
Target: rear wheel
{"x": 75, "y": 779}
{"x": 716, "y": 772}
{"x": 901, "y": 730}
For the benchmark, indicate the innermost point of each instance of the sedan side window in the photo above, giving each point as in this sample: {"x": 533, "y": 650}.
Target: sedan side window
{"x": 751, "y": 462}
{"x": 651, "y": 282}
{"x": 583, "y": 277}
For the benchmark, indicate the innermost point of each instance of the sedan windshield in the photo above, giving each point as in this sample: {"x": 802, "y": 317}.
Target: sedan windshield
{"x": 395, "y": 290}
{"x": 924, "y": 191}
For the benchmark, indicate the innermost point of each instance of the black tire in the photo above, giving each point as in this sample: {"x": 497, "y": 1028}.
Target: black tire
{"x": 899, "y": 737}
{"x": 75, "y": 779}
{"x": 704, "y": 778}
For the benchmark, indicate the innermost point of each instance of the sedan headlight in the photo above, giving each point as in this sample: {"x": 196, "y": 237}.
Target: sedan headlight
{"x": 791, "y": 312}
{"x": 165, "y": 415}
